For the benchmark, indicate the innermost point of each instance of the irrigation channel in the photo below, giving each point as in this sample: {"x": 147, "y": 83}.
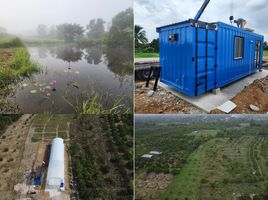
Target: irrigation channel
{"x": 70, "y": 75}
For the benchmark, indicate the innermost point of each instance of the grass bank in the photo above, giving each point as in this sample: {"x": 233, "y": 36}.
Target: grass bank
{"x": 146, "y": 55}
{"x": 15, "y": 61}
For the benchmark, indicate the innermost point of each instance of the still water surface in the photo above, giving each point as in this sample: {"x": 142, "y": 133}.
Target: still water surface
{"x": 76, "y": 72}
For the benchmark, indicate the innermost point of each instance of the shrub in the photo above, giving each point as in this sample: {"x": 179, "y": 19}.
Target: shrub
{"x": 148, "y": 50}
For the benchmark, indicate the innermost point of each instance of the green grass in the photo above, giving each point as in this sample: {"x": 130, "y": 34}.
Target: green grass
{"x": 265, "y": 52}
{"x": 146, "y": 55}
{"x": 15, "y": 63}
{"x": 11, "y": 42}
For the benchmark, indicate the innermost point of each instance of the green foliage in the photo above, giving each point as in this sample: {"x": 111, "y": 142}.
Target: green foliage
{"x": 6, "y": 120}
{"x": 21, "y": 62}
{"x": 96, "y": 176}
{"x": 148, "y": 50}
{"x": 140, "y": 36}
{"x": 69, "y": 32}
{"x": 95, "y": 28}
{"x": 11, "y": 42}
{"x": 121, "y": 31}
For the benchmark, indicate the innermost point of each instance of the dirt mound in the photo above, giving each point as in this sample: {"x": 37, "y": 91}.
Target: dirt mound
{"x": 254, "y": 94}
{"x": 161, "y": 101}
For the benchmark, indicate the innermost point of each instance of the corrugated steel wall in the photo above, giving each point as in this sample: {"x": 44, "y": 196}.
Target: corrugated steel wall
{"x": 216, "y": 65}
{"x": 229, "y": 69}
{"x": 176, "y": 57}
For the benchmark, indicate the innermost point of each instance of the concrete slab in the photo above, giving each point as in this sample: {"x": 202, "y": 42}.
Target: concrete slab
{"x": 210, "y": 101}
{"x": 227, "y": 107}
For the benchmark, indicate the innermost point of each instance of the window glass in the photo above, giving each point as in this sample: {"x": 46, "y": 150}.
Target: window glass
{"x": 238, "y": 47}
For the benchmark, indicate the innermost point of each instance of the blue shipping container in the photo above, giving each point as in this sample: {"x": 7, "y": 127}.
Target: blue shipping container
{"x": 196, "y": 57}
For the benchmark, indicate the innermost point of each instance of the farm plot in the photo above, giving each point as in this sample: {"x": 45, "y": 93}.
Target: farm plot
{"x": 227, "y": 162}
{"x": 101, "y": 153}
{"x": 45, "y": 127}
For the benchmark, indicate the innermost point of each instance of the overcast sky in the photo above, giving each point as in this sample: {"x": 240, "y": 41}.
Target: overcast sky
{"x": 153, "y": 13}
{"x": 25, "y": 15}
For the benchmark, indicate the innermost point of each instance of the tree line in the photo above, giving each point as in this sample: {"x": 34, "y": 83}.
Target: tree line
{"x": 120, "y": 30}
{"x": 142, "y": 43}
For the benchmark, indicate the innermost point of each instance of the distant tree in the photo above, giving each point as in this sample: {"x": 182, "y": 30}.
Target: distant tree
{"x": 140, "y": 36}
{"x": 121, "y": 31}
{"x": 52, "y": 33}
{"x": 2, "y": 30}
{"x": 69, "y": 32}
{"x": 155, "y": 45}
{"x": 42, "y": 30}
{"x": 96, "y": 28}
{"x": 265, "y": 45}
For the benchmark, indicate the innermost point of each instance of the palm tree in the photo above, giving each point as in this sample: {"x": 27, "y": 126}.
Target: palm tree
{"x": 140, "y": 36}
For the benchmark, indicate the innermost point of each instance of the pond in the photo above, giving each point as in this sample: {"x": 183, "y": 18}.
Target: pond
{"x": 70, "y": 74}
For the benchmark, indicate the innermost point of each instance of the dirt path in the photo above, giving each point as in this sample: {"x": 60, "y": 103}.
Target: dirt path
{"x": 161, "y": 101}
{"x": 13, "y": 151}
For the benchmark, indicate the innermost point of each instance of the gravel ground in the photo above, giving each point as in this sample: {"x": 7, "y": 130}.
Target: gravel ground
{"x": 160, "y": 102}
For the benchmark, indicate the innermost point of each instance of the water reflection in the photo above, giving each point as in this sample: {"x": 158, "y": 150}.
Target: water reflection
{"x": 95, "y": 69}
{"x": 69, "y": 54}
{"x": 93, "y": 55}
{"x": 120, "y": 60}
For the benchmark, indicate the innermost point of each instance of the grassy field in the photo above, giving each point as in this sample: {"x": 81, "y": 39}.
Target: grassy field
{"x": 146, "y": 55}
{"x": 206, "y": 160}
{"x": 265, "y": 52}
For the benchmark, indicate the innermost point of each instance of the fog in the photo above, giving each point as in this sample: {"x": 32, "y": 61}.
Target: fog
{"x": 153, "y": 13}
{"x": 22, "y": 17}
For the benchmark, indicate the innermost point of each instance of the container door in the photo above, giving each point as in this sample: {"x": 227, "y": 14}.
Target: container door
{"x": 257, "y": 62}
{"x": 205, "y": 59}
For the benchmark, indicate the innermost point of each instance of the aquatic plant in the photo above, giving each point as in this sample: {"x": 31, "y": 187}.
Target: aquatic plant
{"x": 95, "y": 104}
{"x": 22, "y": 63}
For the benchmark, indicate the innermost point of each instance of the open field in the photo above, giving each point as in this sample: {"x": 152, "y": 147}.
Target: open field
{"x": 146, "y": 55}
{"x": 224, "y": 158}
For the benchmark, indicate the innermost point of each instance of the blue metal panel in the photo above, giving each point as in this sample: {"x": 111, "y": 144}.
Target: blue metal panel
{"x": 176, "y": 57}
{"x": 200, "y": 59}
{"x": 230, "y": 69}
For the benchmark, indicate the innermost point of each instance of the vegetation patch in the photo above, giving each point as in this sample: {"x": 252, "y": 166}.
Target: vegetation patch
{"x": 210, "y": 159}
{"x": 15, "y": 62}
{"x": 101, "y": 151}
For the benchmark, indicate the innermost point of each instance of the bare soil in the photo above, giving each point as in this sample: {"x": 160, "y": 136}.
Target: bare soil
{"x": 153, "y": 181}
{"x": 13, "y": 153}
{"x": 161, "y": 102}
{"x": 255, "y": 94}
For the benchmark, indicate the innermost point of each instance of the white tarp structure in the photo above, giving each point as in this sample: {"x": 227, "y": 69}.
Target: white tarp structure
{"x": 55, "y": 174}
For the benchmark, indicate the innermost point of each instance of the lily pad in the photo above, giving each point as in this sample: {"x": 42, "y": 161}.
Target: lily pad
{"x": 76, "y": 85}
{"x": 48, "y": 87}
{"x": 33, "y": 91}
